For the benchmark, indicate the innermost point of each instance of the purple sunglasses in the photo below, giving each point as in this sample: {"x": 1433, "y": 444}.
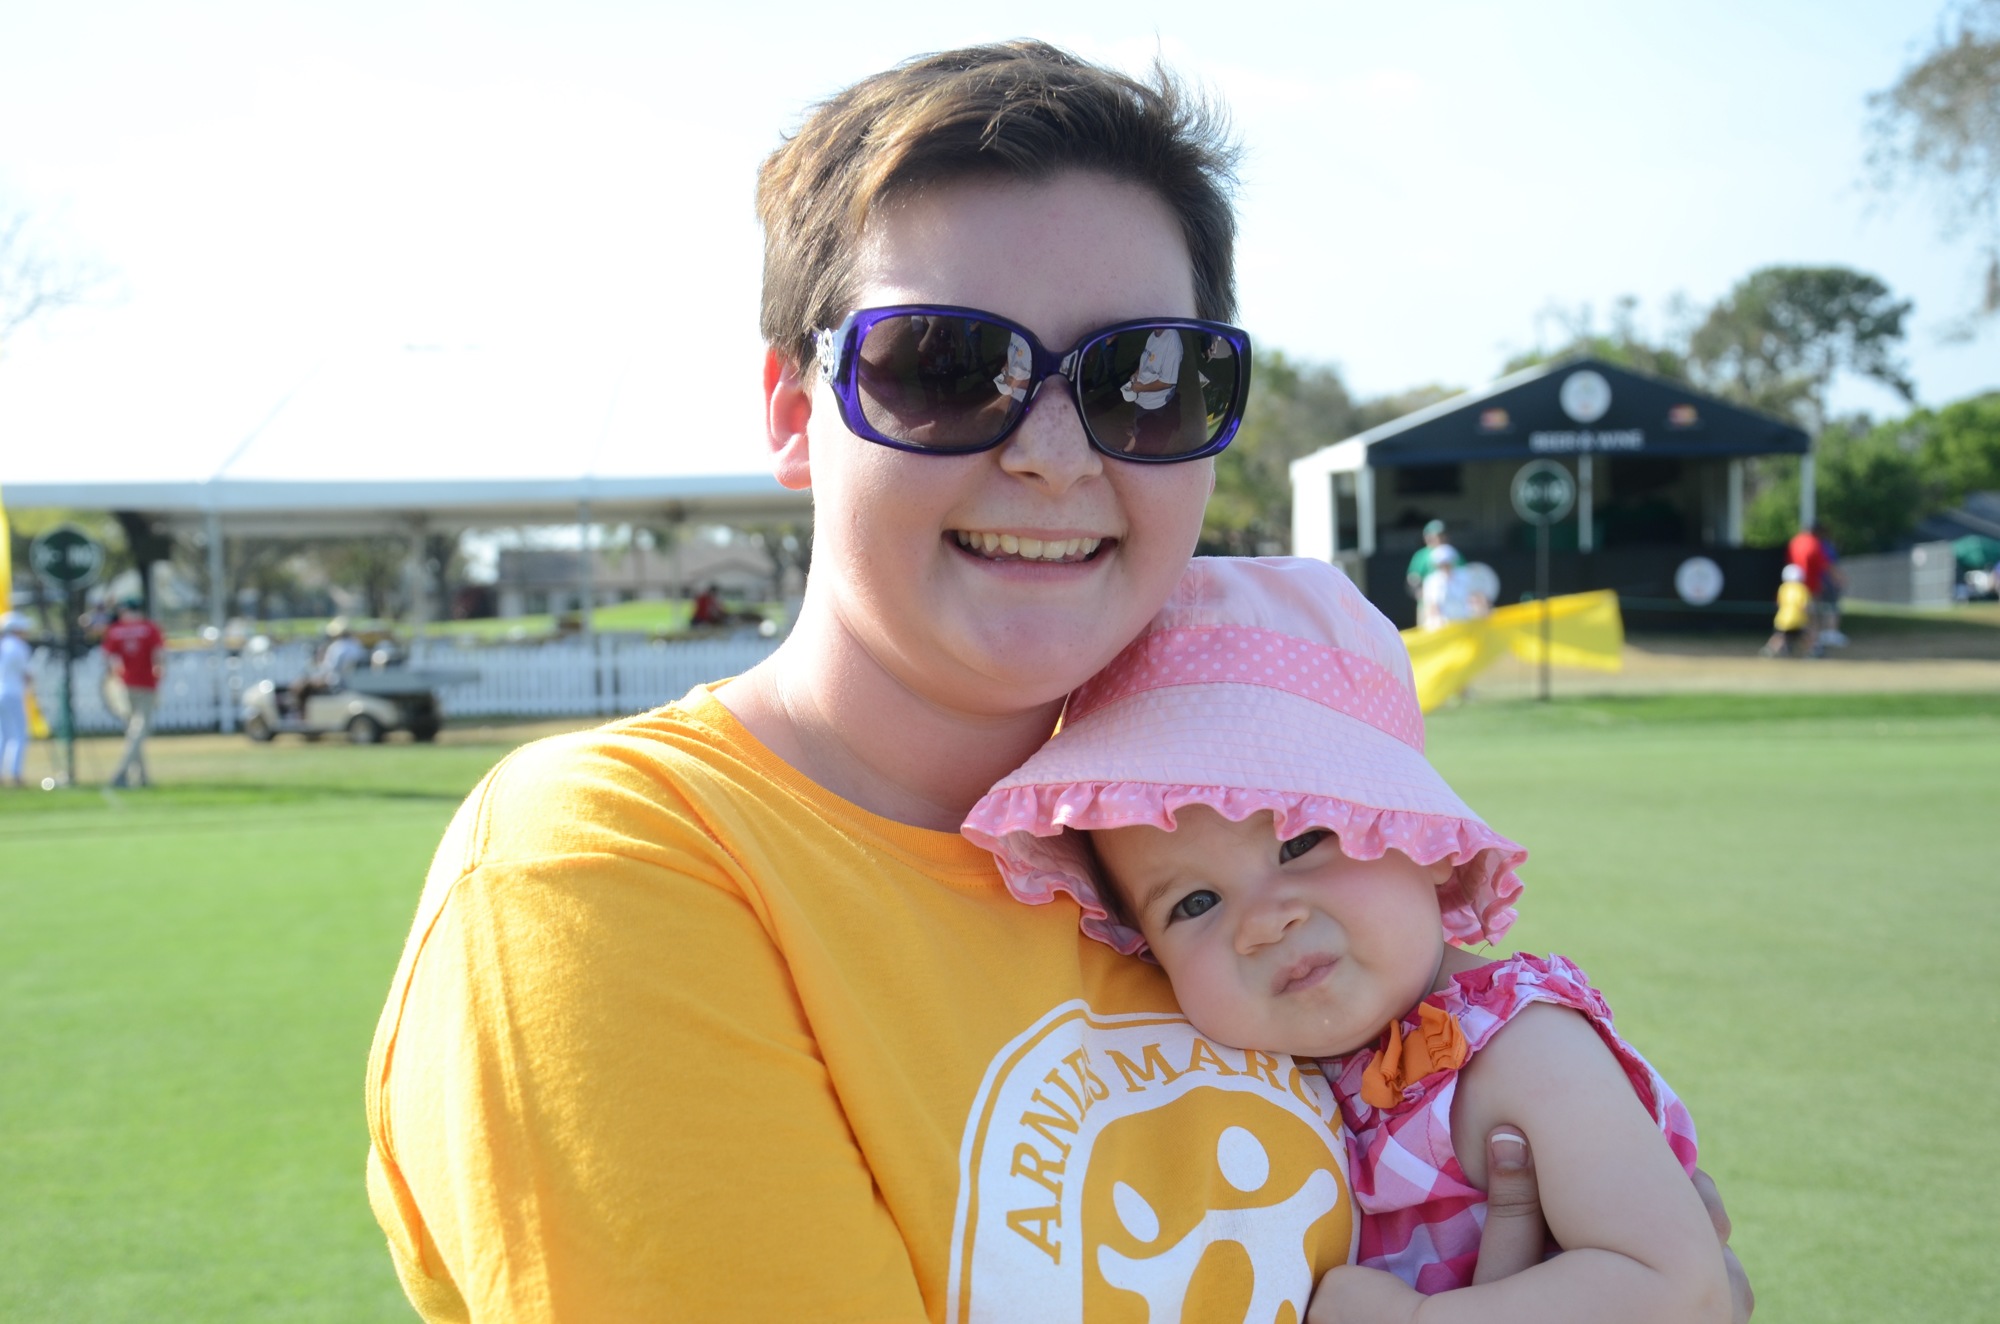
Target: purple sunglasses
{"x": 939, "y": 380}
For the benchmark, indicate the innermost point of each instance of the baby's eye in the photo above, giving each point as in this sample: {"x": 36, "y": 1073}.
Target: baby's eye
{"x": 1193, "y": 904}
{"x": 1299, "y": 845}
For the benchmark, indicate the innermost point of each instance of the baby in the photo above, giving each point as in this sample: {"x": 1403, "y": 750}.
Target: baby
{"x": 1242, "y": 793}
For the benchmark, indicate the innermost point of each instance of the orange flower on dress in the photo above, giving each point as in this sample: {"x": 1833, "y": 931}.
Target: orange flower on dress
{"x": 1437, "y": 1044}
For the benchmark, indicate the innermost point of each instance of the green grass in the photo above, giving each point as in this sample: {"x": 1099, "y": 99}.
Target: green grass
{"x": 190, "y": 978}
{"x": 1789, "y": 903}
{"x": 1787, "y": 899}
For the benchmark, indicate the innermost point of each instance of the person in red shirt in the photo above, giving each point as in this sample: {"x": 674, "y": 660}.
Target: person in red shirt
{"x": 134, "y": 646}
{"x": 708, "y": 607}
{"x": 1808, "y": 553}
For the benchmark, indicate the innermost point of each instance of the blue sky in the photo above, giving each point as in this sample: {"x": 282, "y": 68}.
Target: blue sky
{"x": 271, "y": 185}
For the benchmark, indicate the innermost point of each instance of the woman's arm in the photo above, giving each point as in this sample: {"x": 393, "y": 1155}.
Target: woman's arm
{"x": 1639, "y": 1244}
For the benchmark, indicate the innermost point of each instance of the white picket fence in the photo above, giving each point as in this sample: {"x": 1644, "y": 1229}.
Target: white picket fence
{"x": 602, "y": 676}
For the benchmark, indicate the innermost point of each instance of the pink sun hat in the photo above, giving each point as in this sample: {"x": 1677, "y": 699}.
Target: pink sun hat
{"x": 1263, "y": 684}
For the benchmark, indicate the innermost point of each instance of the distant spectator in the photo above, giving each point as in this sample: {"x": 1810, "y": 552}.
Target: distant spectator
{"x": 1447, "y": 593}
{"x": 343, "y": 654}
{"x": 1807, "y": 551}
{"x": 1791, "y": 628}
{"x": 708, "y": 607}
{"x": 136, "y": 647}
{"x": 1423, "y": 562}
{"x": 338, "y": 657}
{"x": 17, "y": 682}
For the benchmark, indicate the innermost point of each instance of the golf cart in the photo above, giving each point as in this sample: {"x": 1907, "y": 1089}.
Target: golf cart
{"x": 370, "y": 703}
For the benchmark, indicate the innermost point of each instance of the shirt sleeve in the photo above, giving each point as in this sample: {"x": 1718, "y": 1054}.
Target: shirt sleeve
{"x": 595, "y": 1094}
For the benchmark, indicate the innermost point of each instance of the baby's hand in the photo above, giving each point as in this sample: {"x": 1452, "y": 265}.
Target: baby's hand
{"x": 1351, "y": 1294}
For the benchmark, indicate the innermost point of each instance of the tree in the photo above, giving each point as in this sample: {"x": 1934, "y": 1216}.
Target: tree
{"x": 1870, "y": 490}
{"x": 1377, "y": 410}
{"x": 1294, "y": 410}
{"x": 790, "y": 547}
{"x": 32, "y": 280}
{"x": 1622, "y": 344}
{"x": 1940, "y": 124}
{"x": 1959, "y": 448}
{"x": 1876, "y": 482}
{"x": 1777, "y": 340}
{"x": 374, "y": 564}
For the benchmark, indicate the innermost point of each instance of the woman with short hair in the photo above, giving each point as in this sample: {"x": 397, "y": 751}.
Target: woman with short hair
{"x": 710, "y": 1012}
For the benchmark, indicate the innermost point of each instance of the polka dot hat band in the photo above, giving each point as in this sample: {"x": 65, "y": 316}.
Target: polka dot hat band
{"x": 1265, "y": 684}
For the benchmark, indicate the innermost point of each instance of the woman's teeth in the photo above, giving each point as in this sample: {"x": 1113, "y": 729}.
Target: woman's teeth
{"x": 1028, "y": 549}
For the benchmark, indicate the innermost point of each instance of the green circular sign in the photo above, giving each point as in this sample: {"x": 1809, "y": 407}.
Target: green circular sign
{"x": 66, "y": 557}
{"x": 1543, "y": 492}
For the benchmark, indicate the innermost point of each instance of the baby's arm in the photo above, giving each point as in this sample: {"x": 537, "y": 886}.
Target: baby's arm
{"x": 1638, "y": 1241}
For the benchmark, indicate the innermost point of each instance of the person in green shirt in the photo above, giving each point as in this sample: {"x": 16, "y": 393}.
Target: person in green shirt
{"x": 1421, "y": 563}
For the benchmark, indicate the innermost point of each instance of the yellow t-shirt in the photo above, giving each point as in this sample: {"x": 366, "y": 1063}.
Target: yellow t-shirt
{"x": 680, "y": 1035}
{"x": 1794, "y": 606}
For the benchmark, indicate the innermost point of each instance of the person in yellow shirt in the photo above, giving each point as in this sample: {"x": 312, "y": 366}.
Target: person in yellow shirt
{"x": 1791, "y": 628}
{"x": 710, "y": 1013}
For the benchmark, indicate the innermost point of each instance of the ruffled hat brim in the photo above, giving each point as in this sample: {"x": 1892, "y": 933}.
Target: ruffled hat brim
{"x": 1239, "y": 750}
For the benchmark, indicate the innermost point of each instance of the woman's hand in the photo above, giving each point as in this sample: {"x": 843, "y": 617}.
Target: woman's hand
{"x": 1742, "y": 1299}
{"x": 1516, "y": 1236}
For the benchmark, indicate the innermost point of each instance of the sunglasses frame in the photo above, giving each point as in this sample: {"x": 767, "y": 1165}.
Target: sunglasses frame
{"x": 836, "y": 351}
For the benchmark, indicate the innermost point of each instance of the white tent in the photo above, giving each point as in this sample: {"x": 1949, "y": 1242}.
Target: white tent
{"x": 412, "y": 441}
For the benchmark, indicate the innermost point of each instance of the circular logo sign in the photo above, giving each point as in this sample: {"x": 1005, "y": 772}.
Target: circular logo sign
{"x": 1543, "y": 492}
{"x": 1585, "y": 395}
{"x": 66, "y": 557}
{"x": 1698, "y": 581}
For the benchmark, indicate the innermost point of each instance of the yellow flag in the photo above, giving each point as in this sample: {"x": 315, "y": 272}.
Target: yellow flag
{"x": 1445, "y": 660}
{"x": 1585, "y": 630}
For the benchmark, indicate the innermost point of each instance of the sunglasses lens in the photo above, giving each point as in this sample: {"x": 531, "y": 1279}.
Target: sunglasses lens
{"x": 941, "y": 382}
{"x": 1163, "y": 393}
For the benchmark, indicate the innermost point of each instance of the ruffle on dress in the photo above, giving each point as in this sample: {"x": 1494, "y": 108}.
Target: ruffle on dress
{"x": 1476, "y": 902}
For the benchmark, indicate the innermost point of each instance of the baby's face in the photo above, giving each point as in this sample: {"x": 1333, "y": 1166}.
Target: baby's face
{"x": 1287, "y": 946}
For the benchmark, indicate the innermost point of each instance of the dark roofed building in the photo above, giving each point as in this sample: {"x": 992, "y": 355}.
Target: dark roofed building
{"x": 1659, "y": 475}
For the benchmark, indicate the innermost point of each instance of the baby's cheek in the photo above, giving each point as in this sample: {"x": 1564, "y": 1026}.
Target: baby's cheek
{"x": 1214, "y": 1001}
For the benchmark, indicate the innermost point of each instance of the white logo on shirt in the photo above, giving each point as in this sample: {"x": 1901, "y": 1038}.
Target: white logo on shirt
{"x": 1123, "y": 1167}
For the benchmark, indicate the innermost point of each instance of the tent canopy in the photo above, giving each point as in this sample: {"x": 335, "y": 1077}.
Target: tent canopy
{"x": 411, "y": 438}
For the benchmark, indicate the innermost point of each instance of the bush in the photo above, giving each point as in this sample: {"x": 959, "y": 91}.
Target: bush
{"x": 1875, "y": 483}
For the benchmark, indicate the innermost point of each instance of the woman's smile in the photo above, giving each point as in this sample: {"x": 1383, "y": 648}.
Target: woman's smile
{"x": 1027, "y": 547}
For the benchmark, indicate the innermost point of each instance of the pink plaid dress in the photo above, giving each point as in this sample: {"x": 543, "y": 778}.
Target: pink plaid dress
{"x": 1420, "y": 1218}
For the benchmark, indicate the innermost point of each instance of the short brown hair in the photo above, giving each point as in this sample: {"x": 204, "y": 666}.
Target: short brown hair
{"x": 1022, "y": 109}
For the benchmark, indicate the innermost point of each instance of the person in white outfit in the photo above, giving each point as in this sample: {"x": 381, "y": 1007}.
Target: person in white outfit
{"x": 16, "y": 680}
{"x": 1445, "y": 596}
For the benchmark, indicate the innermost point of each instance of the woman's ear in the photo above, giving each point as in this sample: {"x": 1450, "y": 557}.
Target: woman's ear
{"x": 788, "y": 404}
